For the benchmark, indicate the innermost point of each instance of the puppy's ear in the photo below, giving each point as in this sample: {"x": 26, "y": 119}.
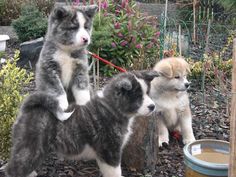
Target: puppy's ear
{"x": 59, "y": 13}
{"x": 91, "y": 10}
{"x": 149, "y": 75}
{"x": 124, "y": 84}
{"x": 165, "y": 69}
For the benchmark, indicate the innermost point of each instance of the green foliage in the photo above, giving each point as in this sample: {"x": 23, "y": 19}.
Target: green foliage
{"x": 12, "y": 81}
{"x": 31, "y": 24}
{"x": 126, "y": 37}
{"x": 214, "y": 67}
{"x": 11, "y": 9}
{"x": 228, "y": 4}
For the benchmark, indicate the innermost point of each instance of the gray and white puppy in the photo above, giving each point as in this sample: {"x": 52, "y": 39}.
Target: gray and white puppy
{"x": 98, "y": 130}
{"x": 62, "y": 69}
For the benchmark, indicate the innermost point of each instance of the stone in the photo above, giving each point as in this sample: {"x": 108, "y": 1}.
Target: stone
{"x": 29, "y": 52}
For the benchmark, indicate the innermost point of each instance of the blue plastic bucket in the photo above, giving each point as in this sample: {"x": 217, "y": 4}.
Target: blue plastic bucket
{"x": 197, "y": 167}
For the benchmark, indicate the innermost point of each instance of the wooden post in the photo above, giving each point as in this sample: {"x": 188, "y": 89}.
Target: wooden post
{"x": 232, "y": 162}
{"x": 194, "y": 21}
{"x": 180, "y": 41}
{"x": 141, "y": 152}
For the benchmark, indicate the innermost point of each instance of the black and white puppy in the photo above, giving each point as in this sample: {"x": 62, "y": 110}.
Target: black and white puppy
{"x": 98, "y": 130}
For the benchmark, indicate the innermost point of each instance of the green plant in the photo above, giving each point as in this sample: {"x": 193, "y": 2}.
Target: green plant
{"x": 12, "y": 80}
{"x": 215, "y": 68}
{"x": 132, "y": 37}
{"x": 31, "y": 24}
{"x": 11, "y": 9}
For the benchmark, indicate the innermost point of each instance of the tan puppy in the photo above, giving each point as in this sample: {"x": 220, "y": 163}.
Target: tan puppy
{"x": 171, "y": 98}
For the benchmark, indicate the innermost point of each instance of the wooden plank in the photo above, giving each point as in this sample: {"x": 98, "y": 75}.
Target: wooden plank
{"x": 232, "y": 163}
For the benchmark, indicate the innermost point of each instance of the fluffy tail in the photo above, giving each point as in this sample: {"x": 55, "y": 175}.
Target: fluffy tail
{"x": 48, "y": 102}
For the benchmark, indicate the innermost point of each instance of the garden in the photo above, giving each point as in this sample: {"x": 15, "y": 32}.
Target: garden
{"x": 133, "y": 38}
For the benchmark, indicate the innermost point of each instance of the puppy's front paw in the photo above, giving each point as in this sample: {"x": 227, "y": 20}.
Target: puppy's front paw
{"x": 163, "y": 141}
{"x": 33, "y": 174}
{"x": 188, "y": 140}
{"x": 63, "y": 102}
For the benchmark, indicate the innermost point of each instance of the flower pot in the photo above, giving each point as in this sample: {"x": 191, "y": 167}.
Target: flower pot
{"x": 206, "y": 158}
{"x": 3, "y": 39}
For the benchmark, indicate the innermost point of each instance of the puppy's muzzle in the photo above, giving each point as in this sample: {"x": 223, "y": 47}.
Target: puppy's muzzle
{"x": 151, "y": 107}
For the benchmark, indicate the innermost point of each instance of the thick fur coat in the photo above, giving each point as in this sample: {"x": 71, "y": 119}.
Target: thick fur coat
{"x": 169, "y": 92}
{"x": 98, "y": 130}
{"x": 62, "y": 68}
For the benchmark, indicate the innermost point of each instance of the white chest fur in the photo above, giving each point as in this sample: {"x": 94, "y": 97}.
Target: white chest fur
{"x": 67, "y": 65}
{"x": 127, "y": 135}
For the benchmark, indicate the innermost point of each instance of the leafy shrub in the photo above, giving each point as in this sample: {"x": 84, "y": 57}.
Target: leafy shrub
{"x": 12, "y": 81}
{"x": 31, "y": 24}
{"x": 11, "y": 9}
{"x": 214, "y": 67}
{"x": 132, "y": 37}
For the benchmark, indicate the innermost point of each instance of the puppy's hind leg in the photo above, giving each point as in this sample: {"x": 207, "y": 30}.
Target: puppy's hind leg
{"x": 108, "y": 170}
{"x": 23, "y": 163}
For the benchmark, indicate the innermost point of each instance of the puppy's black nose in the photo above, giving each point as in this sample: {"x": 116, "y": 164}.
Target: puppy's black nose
{"x": 187, "y": 85}
{"x": 151, "y": 107}
{"x": 85, "y": 40}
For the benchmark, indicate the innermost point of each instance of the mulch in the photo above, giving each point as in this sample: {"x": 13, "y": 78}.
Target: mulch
{"x": 210, "y": 120}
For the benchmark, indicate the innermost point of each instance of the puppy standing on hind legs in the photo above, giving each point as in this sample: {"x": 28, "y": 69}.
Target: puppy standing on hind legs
{"x": 98, "y": 130}
{"x": 62, "y": 69}
{"x": 169, "y": 92}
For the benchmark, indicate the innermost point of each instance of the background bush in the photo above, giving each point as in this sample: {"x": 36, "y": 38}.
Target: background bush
{"x": 31, "y": 24}
{"x": 12, "y": 80}
{"x": 10, "y": 9}
{"x": 132, "y": 39}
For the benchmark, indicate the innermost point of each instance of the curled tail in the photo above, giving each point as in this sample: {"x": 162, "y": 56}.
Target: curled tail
{"x": 48, "y": 102}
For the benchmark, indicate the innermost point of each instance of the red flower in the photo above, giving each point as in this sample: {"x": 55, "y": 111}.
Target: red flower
{"x": 117, "y": 25}
{"x": 138, "y": 46}
{"x": 123, "y": 43}
{"x": 157, "y": 33}
{"x": 150, "y": 45}
{"x": 120, "y": 35}
{"x": 113, "y": 44}
{"x": 104, "y": 5}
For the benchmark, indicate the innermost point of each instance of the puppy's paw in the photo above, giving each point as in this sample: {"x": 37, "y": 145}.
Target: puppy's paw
{"x": 33, "y": 174}
{"x": 63, "y": 102}
{"x": 62, "y": 116}
{"x": 163, "y": 141}
{"x": 188, "y": 140}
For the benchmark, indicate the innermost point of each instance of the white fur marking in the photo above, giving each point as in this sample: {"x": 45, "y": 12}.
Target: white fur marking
{"x": 144, "y": 110}
{"x": 127, "y": 135}
{"x": 82, "y": 33}
{"x": 63, "y": 102}
{"x": 108, "y": 170}
{"x": 100, "y": 93}
{"x": 67, "y": 64}
{"x": 81, "y": 96}
{"x": 33, "y": 174}
{"x": 64, "y": 115}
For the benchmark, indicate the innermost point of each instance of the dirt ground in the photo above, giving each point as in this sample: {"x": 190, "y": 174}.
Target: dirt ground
{"x": 210, "y": 120}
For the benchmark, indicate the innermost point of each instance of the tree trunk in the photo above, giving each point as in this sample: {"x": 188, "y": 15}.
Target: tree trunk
{"x": 140, "y": 153}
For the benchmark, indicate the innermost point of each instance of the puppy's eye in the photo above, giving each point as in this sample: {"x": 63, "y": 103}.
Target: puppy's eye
{"x": 86, "y": 27}
{"x": 73, "y": 28}
{"x": 177, "y": 77}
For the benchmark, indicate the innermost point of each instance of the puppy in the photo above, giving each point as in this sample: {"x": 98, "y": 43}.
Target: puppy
{"x": 62, "y": 68}
{"x": 98, "y": 130}
{"x": 171, "y": 98}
